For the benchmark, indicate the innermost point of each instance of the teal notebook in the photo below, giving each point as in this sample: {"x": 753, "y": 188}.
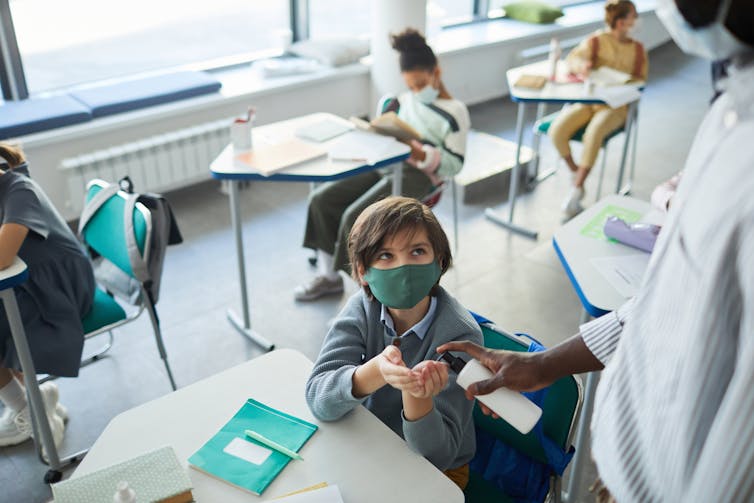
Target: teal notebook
{"x": 235, "y": 458}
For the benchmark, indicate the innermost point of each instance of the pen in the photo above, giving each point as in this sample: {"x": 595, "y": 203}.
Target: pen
{"x": 273, "y": 445}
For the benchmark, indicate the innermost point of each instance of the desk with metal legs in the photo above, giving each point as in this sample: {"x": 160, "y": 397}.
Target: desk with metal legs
{"x": 228, "y": 167}
{"x": 577, "y": 248}
{"x": 552, "y": 93}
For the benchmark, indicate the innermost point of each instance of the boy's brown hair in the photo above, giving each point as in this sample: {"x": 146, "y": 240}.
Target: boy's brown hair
{"x": 386, "y": 218}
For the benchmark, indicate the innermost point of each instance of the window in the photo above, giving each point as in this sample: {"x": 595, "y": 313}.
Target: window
{"x": 79, "y": 41}
{"x": 332, "y": 18}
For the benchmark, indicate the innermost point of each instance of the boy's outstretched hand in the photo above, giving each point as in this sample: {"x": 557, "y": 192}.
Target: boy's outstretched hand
{"x": 434, "y": 378}
{"x": 395, "y": 372}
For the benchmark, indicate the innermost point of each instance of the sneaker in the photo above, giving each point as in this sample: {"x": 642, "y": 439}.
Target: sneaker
{"x": 15, "y": 426}
{"x": 572, "y": 204}
{"x": 318, "y": 287}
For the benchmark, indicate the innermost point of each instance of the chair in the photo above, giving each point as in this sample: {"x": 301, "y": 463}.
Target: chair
{"x": 560, "y": 408}
{"x": 542, "y": 126}
{"x": 105, "y": 236}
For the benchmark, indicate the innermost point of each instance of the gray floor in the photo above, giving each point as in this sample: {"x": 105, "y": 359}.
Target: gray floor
{"x": 514, "y": 281}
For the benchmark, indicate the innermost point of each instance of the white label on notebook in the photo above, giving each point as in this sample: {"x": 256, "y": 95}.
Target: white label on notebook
{"x": 248, "y": 451}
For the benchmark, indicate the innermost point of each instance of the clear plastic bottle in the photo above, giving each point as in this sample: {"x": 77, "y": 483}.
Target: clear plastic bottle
{"x": 519, "y": 411}
{"x": 124, "y": 493}
{"x": 554, "y": 57}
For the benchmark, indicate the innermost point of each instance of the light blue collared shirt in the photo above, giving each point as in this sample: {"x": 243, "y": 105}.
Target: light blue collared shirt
{"x": 420, "y": 329}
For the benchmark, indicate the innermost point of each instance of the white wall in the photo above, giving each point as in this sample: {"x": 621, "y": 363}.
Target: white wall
{"x": 474, "y": 74}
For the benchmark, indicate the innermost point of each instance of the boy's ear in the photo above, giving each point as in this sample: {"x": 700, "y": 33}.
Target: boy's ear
{"x": 361, "y": 272}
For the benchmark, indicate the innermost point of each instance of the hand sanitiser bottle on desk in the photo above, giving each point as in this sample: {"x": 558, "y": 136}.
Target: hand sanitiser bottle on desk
{"x": 124, "y": 493}
{"x": 519, "y": 411}
{"x": 554, "y": 57}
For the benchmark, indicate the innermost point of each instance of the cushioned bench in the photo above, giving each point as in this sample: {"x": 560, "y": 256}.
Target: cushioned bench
{"x": 141, "y": 93}
{"x": 39, "y": 114}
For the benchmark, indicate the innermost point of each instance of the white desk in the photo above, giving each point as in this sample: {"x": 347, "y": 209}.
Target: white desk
{"x": 227, "y": 167}
{"x": 11, "y": 277}
{"x": 551, "y": 93}
{"x": 598, "y": 297}
{"x": 368, "y": 462}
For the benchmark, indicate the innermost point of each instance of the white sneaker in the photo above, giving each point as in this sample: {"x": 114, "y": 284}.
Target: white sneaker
{"x": 15, "y": 426}
{"x": 318, "y": 287}
{"x": 572, "y": 204}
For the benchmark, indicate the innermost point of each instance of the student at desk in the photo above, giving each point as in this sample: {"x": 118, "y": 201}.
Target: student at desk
{"x": 380, "y": 350}
{"x": 443, "y": 123}
{"x": 614, "y": 48}
{"x": 58, "y": 292}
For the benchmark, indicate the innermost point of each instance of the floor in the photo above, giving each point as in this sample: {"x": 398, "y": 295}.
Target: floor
{"x": 513, "y": 280}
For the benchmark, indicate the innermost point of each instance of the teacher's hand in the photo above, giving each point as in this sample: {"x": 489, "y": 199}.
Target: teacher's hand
{"x": 514, "y": 370}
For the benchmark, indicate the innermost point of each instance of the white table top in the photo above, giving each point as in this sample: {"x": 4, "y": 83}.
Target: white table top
{"x": 227, "y": 166}
{"x": 576, "y": 252}
{"x": 14, "y": 274}
{"x": 368, "y": 462}
{"x": 560, "y": 91}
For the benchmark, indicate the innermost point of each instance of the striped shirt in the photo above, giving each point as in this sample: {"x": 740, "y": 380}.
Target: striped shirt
{"x": 674, "y": 411}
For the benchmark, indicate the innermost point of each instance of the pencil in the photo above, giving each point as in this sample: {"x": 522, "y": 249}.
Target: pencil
{"x": 273, "y": 445}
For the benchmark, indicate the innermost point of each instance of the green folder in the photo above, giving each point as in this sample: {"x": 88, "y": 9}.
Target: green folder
{"x": 229, "y": 457}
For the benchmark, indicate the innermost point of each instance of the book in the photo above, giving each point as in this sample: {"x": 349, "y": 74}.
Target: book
{"x": 389, "y": 124}
{"x": 531, "y": 81}
{"x": 233, "y": 457}
{"x": 154, "y": 476}
{"x": 323, "y": 130}
{"x": 606, "y": 76}
{"x": 267, "y": 159}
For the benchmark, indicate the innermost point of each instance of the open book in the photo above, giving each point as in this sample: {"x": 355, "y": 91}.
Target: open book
{"x": 389, "y": 124}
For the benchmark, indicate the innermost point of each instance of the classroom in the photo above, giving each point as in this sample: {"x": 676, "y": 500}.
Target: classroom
{"x": 282, "y": 209}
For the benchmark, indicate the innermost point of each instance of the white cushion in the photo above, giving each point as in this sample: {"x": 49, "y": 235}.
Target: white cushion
{"x": 336, "y": 51}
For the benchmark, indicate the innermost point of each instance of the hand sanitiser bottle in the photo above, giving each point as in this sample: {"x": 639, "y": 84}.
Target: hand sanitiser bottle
{"x": 519, "y": 411}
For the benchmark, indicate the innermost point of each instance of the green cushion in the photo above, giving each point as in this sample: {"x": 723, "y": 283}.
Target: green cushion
{"x": 104, "y": 311}
{"x": 543, "y": 126}
{"x": 479, "y": 490}
{"x": 532, "y": 12}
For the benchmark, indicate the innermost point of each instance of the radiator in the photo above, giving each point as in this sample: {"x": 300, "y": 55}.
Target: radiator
{"x": 158, "y": 163}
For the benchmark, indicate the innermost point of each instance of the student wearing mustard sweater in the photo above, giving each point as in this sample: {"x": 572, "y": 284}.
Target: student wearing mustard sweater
{"x": 612, "y": 47}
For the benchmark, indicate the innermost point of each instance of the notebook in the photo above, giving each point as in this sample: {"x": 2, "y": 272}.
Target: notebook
{"x": 324, "y": 130}
{"x": 232, "y": 457}
{"x": 154, "y": 476}
{"x": 267, "y": 159}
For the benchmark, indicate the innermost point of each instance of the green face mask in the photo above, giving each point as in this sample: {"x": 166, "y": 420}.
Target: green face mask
{"x": 403, "y": 287}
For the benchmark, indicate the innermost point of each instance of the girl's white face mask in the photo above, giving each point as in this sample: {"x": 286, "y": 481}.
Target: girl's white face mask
{"x": 713, "y": 42}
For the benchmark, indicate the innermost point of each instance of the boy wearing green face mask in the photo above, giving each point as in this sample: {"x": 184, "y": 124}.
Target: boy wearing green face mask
{"x": 380, "y": 350}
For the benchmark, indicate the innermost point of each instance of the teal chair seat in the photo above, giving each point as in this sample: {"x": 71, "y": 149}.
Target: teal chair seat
{"x": 559, "y": 409}
{"x": 105, "y": 311}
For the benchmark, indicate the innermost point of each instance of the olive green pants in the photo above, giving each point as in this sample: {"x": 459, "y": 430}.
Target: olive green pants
{"x": 334, "y": 206}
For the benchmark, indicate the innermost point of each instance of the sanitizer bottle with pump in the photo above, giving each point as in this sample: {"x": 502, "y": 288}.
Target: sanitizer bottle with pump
{"x": 519, "y": 411}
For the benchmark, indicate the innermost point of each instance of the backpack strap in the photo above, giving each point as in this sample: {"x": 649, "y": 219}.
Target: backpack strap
{"x": 139, "y": 265}
{"x": 594, "y": 43}
{"x": 94, "y": 204}
{"x": 638, "y": 59}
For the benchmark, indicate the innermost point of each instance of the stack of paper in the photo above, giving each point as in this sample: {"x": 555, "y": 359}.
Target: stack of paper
{"x": 360, "y": 146}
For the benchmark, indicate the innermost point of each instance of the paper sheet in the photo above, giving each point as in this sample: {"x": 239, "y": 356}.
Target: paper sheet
{"x": 623, "y": 272}
{"x": 359, "y": 146}
{"x": 617, "y": 96}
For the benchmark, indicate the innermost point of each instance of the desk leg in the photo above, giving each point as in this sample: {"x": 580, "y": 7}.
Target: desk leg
{"x": 244, "y": 327}
{"x": 585, "y": 419}
{"x": 630, "y": 124}
{"x": 398, "y": 179}
{"x": 513, "y": 192}
{"x": 535, "y": 177}
{"x": 32, "y": 387}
